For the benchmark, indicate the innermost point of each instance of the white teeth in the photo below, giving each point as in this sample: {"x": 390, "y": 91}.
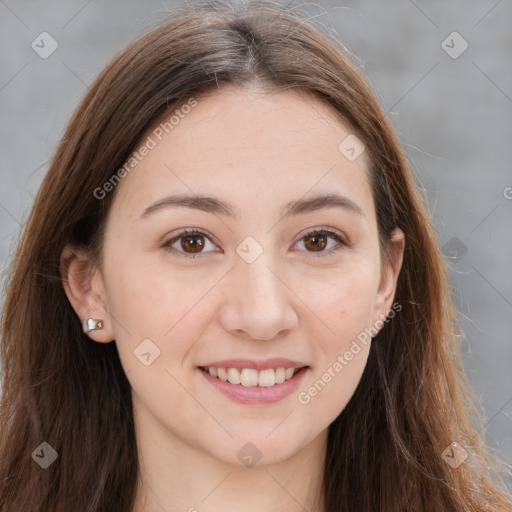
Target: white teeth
{"x": 280, "y": 375}
{"x": 251, "y": 377}
{"x": 267, "y": 378}
{"x": 233, "y": 376}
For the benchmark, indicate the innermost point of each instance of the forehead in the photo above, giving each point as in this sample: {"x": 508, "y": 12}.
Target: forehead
{"x": 246, "y": 144}
{"x": 247, "y": 118}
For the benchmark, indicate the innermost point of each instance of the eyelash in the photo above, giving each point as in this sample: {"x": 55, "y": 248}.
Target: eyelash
{"x": 191, "y": 232}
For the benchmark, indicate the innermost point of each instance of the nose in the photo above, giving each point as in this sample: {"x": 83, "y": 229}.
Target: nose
{"x": 258, "y": 304}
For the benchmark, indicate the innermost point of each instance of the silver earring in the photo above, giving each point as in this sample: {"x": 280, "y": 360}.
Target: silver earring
{"x": 92, "y": 324}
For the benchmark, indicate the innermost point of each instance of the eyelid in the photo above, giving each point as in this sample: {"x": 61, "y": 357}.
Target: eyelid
{"x": 324, "y": 229}
{"x": 189, "y": 231}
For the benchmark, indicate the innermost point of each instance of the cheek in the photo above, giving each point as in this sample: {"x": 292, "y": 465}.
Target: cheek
{"x": 148, "y": 304}
{"x": 346, "y": 307}
{"x": 345, "y": 303}
{"x": 339, "y": 366}
{"x": 153, "y": 300}
{"x": 156, "y": 318}
{"x": 332, "y": 387}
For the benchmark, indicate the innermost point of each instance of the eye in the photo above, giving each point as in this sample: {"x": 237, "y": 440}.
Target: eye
{"x": 190, "y": 242}
{"x": 317, "y": 240}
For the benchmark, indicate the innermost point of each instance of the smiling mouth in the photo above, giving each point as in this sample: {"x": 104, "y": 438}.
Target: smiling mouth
{"x": 250, "y": 377}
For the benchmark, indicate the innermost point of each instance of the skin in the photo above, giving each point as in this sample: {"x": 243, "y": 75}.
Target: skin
{"x": 257, "y": 151}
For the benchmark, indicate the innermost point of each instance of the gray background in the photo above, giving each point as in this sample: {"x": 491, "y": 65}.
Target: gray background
{"x": 453, "y": 116}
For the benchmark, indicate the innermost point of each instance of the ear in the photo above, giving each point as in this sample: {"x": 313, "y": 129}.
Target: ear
{"x": 389, "y": 278}
{"x": 84, "y": 287}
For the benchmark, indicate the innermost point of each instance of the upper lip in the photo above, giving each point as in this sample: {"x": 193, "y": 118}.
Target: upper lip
{"x": 275, "y": 362}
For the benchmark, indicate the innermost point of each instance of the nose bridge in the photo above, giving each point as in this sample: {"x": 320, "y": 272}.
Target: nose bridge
{"x": 253, "y": 265}
{"x": 258, "y": 303}
{"x": 261, "y": 283}
{"x": 260, "y": 287}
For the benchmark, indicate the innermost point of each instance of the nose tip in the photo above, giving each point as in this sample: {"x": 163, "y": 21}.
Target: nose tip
{"x": 262, "y": 330}
{"x": 262, "y": 321}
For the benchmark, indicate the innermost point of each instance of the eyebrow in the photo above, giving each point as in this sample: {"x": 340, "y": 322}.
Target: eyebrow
{"x": 219, "y": 207}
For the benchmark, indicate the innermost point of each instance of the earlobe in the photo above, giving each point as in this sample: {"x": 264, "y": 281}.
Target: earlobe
{"x": 389, "y": 275}
{"x": 84, "y": 288}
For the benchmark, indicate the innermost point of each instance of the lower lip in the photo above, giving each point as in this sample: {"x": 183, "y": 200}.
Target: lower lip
{"x": 256, "y": 394}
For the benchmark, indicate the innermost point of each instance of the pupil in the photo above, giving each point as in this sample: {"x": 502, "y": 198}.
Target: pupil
{"x": 316, "y": 244}
{"x": 195, "y": 243}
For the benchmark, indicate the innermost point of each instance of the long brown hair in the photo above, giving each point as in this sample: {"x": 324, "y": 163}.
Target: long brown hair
{"x": 385, "y": 448}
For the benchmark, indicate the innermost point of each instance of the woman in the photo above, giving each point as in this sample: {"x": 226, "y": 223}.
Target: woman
{"x": 229, "y": 294}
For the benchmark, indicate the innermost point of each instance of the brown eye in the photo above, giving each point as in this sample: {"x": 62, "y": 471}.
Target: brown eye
{"x": 194, "y": 243}
{"x": 315, "y": 242}
{"x": 189, "y": 244}
{"x": 323, "y": 242}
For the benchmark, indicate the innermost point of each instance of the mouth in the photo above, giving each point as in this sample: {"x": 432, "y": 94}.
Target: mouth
{"x": 252, "y": 377}
{"x": 241, "y": 382}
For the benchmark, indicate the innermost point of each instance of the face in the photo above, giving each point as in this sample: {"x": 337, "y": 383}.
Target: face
{"x": 261, "y": 278}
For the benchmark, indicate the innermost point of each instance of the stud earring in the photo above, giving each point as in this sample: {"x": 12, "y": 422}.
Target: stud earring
{"x": 92, "y": 324}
